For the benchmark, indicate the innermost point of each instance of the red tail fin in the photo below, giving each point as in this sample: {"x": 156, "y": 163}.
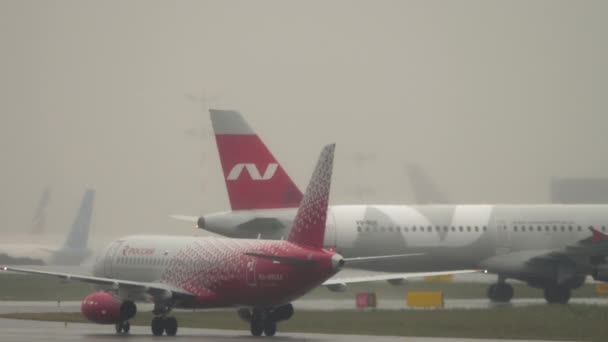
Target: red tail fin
{"x": 254, "y": 179}
{"x": 309, "y": 224}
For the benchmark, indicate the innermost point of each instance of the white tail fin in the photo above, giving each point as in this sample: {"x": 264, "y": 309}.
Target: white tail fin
{"x": 79, "y": 233}
{"x": 39, "y": 219}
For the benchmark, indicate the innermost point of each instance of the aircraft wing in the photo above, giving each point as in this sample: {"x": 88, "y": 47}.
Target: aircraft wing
{"x": 156, "y": 290}
{"x": 594, "y": 246}
{"x": 379, "y": 276}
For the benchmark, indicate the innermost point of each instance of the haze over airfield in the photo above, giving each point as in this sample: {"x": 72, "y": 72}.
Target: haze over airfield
{"x": 493, "y": 99}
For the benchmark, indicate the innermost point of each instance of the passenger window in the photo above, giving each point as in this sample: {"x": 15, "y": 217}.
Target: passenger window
{"x": 476, "y": 228}
{"x": 539, "y": 228}
{"x": 523, "y": 228}
{"x": 603, "y": 228}
{"x": 579, "y": 228}
{"x": 546, "y": 228}
{"x": 414, "y": 228}
{"x": 485, "y": 228}
{"x": 563, "y": 228}
{"x": 453, "y": 228}
{"x": 570, "y": 228}
{"x": 359, "y": 229}
{"x": 514, "y": 228}
{"x": 460, "y": 228}
{"x": 405, "y": 229}
{"x": 445, "y": 228}
{"x": 468, "y": 229}
{"x": 429, "y": 229}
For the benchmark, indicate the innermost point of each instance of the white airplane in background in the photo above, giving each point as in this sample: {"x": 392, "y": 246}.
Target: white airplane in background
{"x": 73, "y": 251}
{"x": 553, "y": 247}
{"x": 39, "y": 218}
{"x": 261, "y": 277}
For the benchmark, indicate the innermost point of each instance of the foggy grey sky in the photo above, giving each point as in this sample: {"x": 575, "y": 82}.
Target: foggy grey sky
{"x": 492, "y": 99}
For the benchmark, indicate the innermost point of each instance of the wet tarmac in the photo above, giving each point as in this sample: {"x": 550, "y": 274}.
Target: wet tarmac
{"x": 22, "y": 331}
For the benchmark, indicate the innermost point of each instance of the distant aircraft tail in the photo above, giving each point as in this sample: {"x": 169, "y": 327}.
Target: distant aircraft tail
{"x": 78, "y": 237}
{"x": 309, "y": 224}
{"x": 425, "y": 190}
{"x": 254, "y": 179}
{"x": 39, "y": 219}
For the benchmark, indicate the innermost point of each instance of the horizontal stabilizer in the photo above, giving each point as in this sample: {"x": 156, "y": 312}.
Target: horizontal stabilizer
{"x": 380, "y": 276}
{"x": 597, "y": 235}
{"x": 380, "y": 257}
{"x": 185, "y": 218}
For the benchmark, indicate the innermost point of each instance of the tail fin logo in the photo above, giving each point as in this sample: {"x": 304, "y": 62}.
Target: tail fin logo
{"x": 254, "y": 173}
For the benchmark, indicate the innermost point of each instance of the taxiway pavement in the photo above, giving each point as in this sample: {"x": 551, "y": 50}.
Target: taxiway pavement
{"x": 27, "y": 331}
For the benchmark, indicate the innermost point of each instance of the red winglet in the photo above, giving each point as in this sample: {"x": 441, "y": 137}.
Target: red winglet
{"x": 597, "y": 235}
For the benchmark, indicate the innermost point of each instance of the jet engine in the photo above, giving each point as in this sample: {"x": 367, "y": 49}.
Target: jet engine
{"x": 337, "y": 287}
{"x": 600, "y": 273}
{"x": 397, "y": 282}
{"x": 105, "y": 308}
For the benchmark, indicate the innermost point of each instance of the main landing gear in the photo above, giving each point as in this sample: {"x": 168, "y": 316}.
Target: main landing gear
{"x": 128, "y": 309}
{"x": 557, "y": 294}
{"x": 264, "y": 321}
{"x": 501, "y": 292}
{"x": 260, "y": 325}
{"x": 162, "y": 323}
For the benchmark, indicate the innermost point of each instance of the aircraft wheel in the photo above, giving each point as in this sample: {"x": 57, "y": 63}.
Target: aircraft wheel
{"x": 270, "y": 328}
{"x": 505, "y": 292}
{"x": 157, "y": 326}
{"x": 122, "y": 327}
{"x": 500, "y": 292}
{"x": 170, "y": 324}
{"x": 557, "y": 294}
{"x": 257, "y": 327}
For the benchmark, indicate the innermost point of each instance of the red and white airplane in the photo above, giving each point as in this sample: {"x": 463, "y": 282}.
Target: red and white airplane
{"x": 261, "y": 277}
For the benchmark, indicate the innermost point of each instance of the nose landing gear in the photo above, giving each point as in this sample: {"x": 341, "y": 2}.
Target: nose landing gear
{"x": 128, "y": 310}
{"x": 122, "y": 327}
